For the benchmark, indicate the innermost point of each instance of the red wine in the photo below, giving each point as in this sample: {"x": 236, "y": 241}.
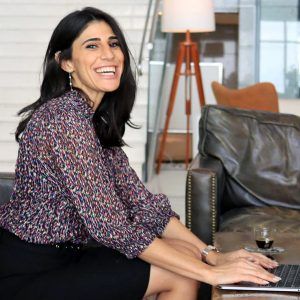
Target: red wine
{"x": 264, "y": 244}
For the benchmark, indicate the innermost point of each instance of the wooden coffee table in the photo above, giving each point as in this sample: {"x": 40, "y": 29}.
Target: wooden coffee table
{"x": 228, "y": 241}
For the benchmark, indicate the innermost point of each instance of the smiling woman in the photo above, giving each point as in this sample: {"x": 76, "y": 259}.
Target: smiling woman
{"x": 80, "y": 224}
{"x": 82, "y": 45}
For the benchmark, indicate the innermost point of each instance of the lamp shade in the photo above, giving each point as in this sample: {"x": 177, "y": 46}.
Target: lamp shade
{"x": 192, "y": 15}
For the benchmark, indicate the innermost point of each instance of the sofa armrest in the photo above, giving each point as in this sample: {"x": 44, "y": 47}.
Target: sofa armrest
{"x": 204, "y": 189}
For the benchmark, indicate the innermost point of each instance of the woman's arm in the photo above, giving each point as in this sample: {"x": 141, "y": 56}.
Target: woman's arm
{"x": 159, "y": 253}
{"x": 153, "y": 210}
{"x": 176, "y": 230}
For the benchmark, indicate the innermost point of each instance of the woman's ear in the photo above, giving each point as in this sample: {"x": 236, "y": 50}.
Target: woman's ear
{"x": 57, "y": 57}
{"x": 67, "y": 66}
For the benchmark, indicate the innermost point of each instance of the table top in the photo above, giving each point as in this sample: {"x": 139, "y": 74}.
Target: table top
{"x": 228, "y": 241}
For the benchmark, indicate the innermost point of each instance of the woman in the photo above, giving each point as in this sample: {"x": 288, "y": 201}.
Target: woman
{"x": 74, "y": 186}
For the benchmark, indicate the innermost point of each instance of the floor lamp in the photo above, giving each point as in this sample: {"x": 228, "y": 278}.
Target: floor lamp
{"x": 185, "y": 16}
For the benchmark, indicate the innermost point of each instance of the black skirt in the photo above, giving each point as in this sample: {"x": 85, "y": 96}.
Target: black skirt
{"x": 44, "y": 272}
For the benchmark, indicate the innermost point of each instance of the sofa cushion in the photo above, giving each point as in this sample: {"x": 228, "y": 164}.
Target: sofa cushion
{"x": 260, "y": 152}
{"x": 246, "y": 218}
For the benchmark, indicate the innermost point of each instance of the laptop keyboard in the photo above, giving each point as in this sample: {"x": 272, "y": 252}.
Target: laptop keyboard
{"x": 290, "y": 276}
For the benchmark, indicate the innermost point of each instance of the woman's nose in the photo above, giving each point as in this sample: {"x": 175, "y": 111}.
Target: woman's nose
{"x": 107, "y": 52}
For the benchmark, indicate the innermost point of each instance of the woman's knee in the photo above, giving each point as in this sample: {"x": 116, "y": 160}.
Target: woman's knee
{"x": 162, "y": 280}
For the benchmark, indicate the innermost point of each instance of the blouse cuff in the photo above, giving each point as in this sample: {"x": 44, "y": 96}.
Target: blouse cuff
{"x": 156, "y": 215}
{"x": 164, "y": 213}
{"x": 164, "y": 222}
{"x": 139, "y": 243}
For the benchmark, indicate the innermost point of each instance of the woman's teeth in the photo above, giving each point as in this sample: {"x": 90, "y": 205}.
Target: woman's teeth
{"x": 106, "y": 70}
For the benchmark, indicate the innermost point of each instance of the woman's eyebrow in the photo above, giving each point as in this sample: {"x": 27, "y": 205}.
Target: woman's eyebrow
{"x": 91, "y": 40}
{"x": 98, "y": 39}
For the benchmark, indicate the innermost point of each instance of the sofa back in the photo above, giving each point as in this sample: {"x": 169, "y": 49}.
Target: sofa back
{"x": 6, "y": 186}
{"x": 260, "y": 152}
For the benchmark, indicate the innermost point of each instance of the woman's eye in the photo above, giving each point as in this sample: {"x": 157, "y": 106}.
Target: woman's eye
{"x": 114, "y": 44}
{"x": 91, "y": 46}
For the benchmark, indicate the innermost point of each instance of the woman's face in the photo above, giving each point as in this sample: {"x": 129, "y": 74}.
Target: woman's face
{"x": 97, "y": 61}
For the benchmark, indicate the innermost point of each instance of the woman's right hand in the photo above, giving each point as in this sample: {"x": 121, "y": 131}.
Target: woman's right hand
{"x": 241, "y": 269}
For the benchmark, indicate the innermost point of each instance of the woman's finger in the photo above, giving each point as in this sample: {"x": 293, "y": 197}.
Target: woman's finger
{"x": 256, "y": 279}
{"x": 244, "y": 270}
{"x": 254, "y": 269}
{"x": 258, "y": 258}
{"x": 265, "y": 261}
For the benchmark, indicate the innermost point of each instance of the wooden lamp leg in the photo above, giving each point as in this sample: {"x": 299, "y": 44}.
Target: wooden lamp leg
{"x": 188, "y": 92}
{"x": 196, "y": 60}
{"x": 180, "y": 57}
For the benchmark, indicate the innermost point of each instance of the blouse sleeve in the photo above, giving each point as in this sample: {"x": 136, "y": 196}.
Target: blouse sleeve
{"x": 153, "y": 210}
{"x": 80, "y": 166}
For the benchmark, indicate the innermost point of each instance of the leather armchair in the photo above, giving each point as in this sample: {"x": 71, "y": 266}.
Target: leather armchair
{"x": 247, "y": 172}
{"x": 6, "y": 186}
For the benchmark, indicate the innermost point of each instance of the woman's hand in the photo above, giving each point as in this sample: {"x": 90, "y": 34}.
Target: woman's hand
{"x": 238, "y": 268}
{"x": 257, "y": 258}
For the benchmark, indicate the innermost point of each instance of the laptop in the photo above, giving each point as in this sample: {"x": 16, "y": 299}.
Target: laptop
{"x": 290, "y": 281}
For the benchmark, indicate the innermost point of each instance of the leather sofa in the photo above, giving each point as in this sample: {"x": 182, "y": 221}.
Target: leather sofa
{"x": 247, "y": 172}
{"x": 6, "y": 186}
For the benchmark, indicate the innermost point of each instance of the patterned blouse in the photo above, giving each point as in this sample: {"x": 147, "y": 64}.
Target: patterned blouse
{"x": 69, "y": 188}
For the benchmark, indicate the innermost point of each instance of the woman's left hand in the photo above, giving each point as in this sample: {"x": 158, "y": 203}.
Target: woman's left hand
{"x": 260, "y": 259}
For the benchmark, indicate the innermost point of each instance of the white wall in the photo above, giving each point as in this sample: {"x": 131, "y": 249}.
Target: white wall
{"x": 290, "y": 106}
{"x": 25, "y": 29}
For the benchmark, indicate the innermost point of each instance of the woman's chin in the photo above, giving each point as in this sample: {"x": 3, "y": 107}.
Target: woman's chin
{"x": 109, "y": 88}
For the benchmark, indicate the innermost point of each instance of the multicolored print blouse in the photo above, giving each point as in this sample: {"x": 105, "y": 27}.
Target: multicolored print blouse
{"x": 69, "y": 188}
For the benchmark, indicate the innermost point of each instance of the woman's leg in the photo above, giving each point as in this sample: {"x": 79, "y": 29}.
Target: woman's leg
{"x": 169, "y": 285}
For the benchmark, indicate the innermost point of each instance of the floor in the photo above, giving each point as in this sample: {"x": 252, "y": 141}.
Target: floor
{"x": 171, "y": 182}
